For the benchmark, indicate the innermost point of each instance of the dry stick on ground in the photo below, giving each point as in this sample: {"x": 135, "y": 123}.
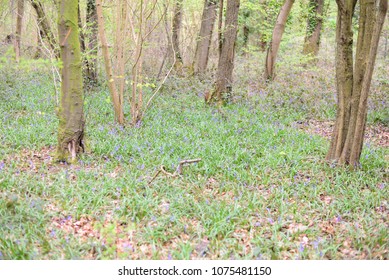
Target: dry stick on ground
{"x": 178, "y": 171}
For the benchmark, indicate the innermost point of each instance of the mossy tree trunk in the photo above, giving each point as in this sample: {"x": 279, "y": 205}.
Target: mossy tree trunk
{"x": 223, "y": 84}
{"x": 314, "y": 25}
{"x": 71, "y": 113}
{"x": 274, "y": 45}
{"x": 353, "y": 79}
{"x": 176, "y": 27}
{"x": 205, "y": 36}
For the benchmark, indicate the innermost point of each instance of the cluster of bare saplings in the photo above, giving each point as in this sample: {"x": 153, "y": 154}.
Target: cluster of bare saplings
{"x": 139, "y": 20}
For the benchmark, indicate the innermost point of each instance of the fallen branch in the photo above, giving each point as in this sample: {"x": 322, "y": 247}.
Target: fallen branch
{"x": 183, "y": 162}
{"x": 178, "y": 171}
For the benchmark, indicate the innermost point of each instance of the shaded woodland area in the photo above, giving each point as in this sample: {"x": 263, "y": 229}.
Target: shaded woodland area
{"x": 188, "y": 129}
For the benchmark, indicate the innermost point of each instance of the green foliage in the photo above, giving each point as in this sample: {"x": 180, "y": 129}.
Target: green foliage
{"x": 259, "y": 17}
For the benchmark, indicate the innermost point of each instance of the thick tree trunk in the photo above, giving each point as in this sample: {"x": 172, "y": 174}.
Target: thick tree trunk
{"x": 353, "y": 84}
{"x": 314, "y": 24}
{"x": 18, "y": 33}
{"x": 44, "y": 26}
{"x": 205, "y": 37}
{"x": 71, "y": 114}
{"x": 117, "y": 104}
{"x": 176, "y": 27}
{"x": 278, "y": 31}
{"x": 223, "y": 84}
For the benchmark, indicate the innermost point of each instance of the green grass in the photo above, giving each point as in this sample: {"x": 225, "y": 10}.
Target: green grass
{"x": 261, "y": 190}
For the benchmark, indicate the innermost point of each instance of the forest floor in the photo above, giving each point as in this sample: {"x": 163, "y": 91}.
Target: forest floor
{"x": 262, "y": 189}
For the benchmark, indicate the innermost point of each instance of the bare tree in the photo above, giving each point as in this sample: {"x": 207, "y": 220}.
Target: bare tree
{"x": 44, "y": 26}
{"x": 205, "y": 36}
{"x": 223, "y": 84}
{"x": 117, "y": 102}
{"x": 18, "y": 33}
{"x": 278, "y": 31}
{"x": 353, "y": 79}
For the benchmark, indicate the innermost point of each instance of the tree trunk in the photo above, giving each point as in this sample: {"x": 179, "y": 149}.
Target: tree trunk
{"x": 220, "y": 27}
{"x": 246, "y": 31}
{"x": 44, "y": 26}
{"x": 117, "y": 105}
{"x": 177, "y": 20}
{"x": 71, "y": 114}
{"x": 278, "y": 31}
{"x": 223, "y": 84}
{"x": 18, "y": 33}
{"x": 91, "y": 21}
{"x": 314, "y": 24}
{"x": 263, "y": 40}
{"x": 353, "y": 83}
{"x": 205, "y": 37}
{"x": 121, "y": 29}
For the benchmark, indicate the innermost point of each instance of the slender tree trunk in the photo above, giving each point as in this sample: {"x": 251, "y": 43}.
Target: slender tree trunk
{"x": 278, "y": 31}
{"x": 223, "y": 84}
{"x": 44, "y": 26}
{"x": 91, "y": 20}
{"x": 314, "y": 24}
{"x": 71, "y": 114}
{"x": 121, "y": 29}
{"x": 220, "y": 27}
{"x": 177, "y": 20}
{"x": 118, "y": 107}
{"x": 18, "y": 33}
{"x": 353, "y": 83}
{"x": 205, "y": 37}
{"x": 264, "y": 17}
{"x": 246, "y": 31}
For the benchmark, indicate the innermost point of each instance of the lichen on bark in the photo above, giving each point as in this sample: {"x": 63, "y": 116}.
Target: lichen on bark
{"x": 71, "y": 112}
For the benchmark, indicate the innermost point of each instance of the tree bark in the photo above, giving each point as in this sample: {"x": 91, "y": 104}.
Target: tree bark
{"x": 223, "y": 84}
{"x": 18, "y": 33}
{"x": 314, "y": 24}
{"x": 117, "y": 105}
{"x": 176, "y": 27}
{"x": 71, "y": 114}
{"x": 44, "y": 26}
{"x": 278, "y": 31}
{"x": 220, "y": 27}
{"x": 205, "y": 37}
{"x": 353, "y": 83}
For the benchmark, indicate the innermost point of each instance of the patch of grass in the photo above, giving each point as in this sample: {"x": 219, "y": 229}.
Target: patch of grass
{"x": 261, "y": 190}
